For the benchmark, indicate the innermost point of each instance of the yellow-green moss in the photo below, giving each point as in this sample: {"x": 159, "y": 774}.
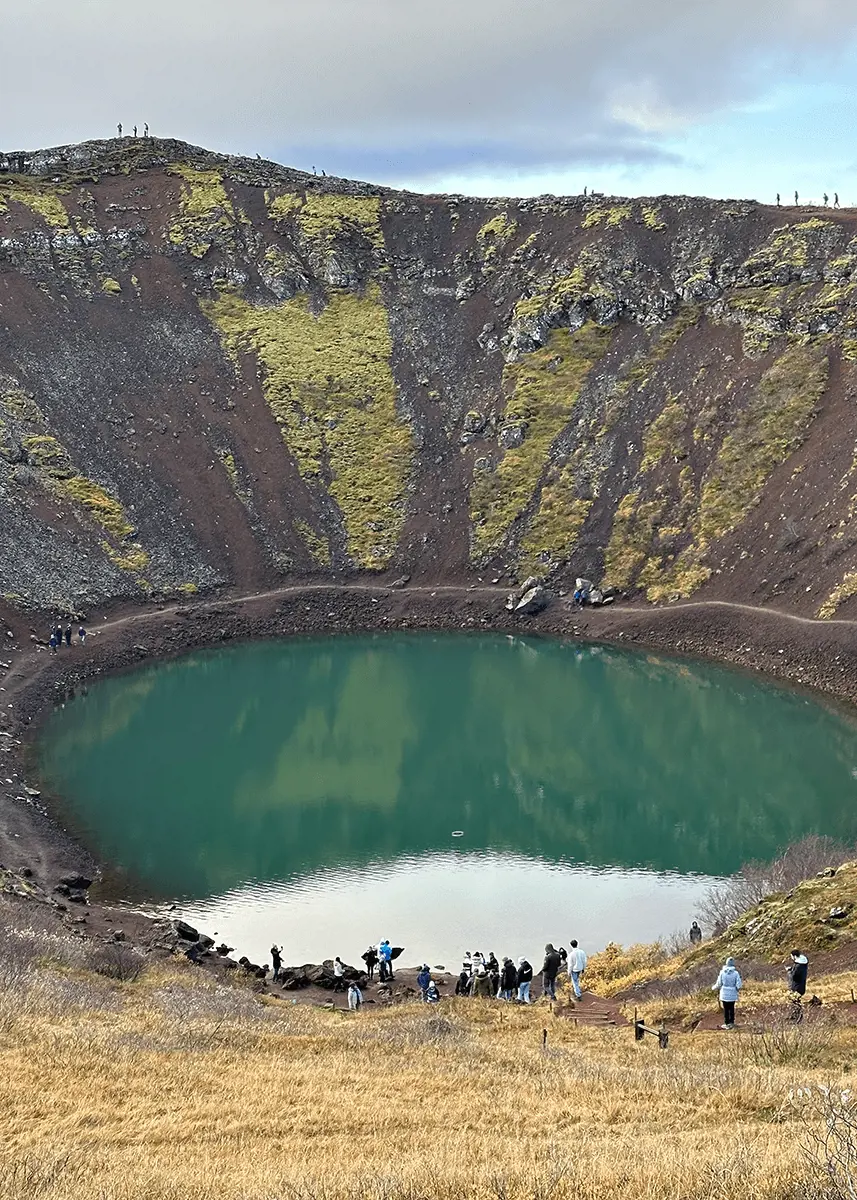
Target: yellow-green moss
{"x": 49, "y": 456}
{"x": 494, "y": 235}
{"x": 765, "y": 434}
{"x": 652, "y": 217}
{"x": 111, "y": 286}
{"x": 316, "y": 543}
{"x": 543, "y": 388}
{"x": 842, "y": 592}
{"x": 189, "y": 588}
{"x": 131, "y": 558}
{"x": 663, "y": 435}
{"x": 106, "y": 510}
{"x": 204, "y": 209}
{"x": 556, "y": 526}
{"x": 283, "y": 207}
{"x": 610, "y": 215}
{"x": 638, "y": 375}
{"x": 631, "y": 537}
{"x": 849, "y": 349}
{"x": 61, "y": 477}
{"x": 44, "y": 202}
{"x": 330, "y": 387}
{"x": 22, "y": 407}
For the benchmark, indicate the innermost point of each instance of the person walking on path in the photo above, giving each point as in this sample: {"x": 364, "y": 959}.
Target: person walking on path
{"x": 276, "y": 963}
{"x": 58, "y": 634}
{"x": 729, "y": 984}
{"x": 81, "y": 636}
{"x": 68, "y": 635}
{"x": 826, "y": 199}
{"x": 355, "y": 997}
{"x": 778, "y": 199}
{"x": 576, "y": 966}
{"x": 796, "y": 200}
{"x": 836, "y": 199}
{"x": 508, "y": 980}
{"x": 798, "y": 972}
{"x": 695, "y": 934}
{"x": 53, "y": 643}
{"x": 550, "y": 970}
{"x": 423, "y": 980}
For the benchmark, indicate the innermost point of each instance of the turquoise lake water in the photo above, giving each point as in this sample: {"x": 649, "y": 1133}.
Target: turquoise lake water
{"x": 308, "y": 791}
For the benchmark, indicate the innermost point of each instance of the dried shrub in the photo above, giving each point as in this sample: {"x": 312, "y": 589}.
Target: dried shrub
{"x": 117, "y": 961}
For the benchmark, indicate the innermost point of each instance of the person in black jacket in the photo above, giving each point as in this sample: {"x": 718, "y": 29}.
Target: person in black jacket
{"x": 508, "y": 979}
{"x": 550, "y": 970}
{"x": 370, "y": 957}
{"x": 276, "y": 962}
{"x": 525, "y": 978}
{"x": 798, "y": 972}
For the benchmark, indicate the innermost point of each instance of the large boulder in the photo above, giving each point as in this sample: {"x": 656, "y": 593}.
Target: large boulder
{"x": 186, "y": 931}
{"x": 533, "y": 601}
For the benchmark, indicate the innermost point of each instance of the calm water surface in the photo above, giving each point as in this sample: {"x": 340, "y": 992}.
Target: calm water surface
{"x": 308, "y": 791}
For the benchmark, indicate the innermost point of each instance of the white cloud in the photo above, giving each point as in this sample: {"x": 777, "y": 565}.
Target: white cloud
{"x": 442, "y": 82}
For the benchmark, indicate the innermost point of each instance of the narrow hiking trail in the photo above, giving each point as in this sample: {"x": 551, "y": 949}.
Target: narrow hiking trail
{"x": 462, "y": 590}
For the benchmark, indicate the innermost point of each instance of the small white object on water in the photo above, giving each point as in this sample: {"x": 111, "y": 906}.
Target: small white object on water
{"x": 458, "y": 833}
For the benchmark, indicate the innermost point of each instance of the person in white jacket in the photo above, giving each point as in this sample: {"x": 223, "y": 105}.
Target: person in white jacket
{"x": 576, "y": 966}
{"x": 729, "y": 982}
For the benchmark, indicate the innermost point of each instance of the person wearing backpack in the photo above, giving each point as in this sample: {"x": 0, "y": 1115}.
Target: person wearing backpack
{"x": 729, "y": 984}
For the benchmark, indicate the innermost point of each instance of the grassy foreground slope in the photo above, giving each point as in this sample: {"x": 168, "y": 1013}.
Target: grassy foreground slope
{"x": 177, "y": 1087}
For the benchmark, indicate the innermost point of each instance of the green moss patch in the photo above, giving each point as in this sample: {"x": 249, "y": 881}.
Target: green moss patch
{"x": 663, "y": 435}
{"x": 324, "y": 217}
{"x": 205, "y": 210}
{"x": 330, "y": 387}
{"x": 543, "y": 388}
{"x": 630, "y": 538}
{"x": 771, "y": 427}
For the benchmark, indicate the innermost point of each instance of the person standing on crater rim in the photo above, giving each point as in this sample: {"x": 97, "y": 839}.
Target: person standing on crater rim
{"x": 695, "y": 934}
{"x": 276, "y": 962}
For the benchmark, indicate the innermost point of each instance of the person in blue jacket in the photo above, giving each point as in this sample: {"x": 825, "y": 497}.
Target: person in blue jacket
{"x": 729, "y": 983}
{"x": 423, "y": 980}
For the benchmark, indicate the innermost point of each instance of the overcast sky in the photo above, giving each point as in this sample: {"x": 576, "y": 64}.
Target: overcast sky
{"x": 724, "y": 97}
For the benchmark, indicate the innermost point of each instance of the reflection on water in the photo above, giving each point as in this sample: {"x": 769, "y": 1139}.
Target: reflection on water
{"x": 278, "y": 763}
{"x": 438, "y": 905}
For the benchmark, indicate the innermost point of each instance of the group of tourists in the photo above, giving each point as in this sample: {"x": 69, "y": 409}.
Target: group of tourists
{"x": 511, "y": 980}
{"x": 57, "y": 637}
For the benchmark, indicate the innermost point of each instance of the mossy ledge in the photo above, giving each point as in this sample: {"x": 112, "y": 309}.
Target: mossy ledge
{"x": 328, "y": 382}
{"x": 542, "y": 389}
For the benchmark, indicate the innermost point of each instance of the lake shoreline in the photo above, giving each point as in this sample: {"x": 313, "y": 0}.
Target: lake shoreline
{"x": 820, "y": 656}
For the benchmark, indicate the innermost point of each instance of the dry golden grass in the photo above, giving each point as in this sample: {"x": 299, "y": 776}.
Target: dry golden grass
{"x": 175, "y": 1087}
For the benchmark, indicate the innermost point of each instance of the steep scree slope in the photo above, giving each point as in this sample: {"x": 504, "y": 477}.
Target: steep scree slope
{"x": 217, "y": 371}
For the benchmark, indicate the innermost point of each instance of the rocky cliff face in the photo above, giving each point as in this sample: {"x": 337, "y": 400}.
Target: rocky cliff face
{"x": 216, "y": 371}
